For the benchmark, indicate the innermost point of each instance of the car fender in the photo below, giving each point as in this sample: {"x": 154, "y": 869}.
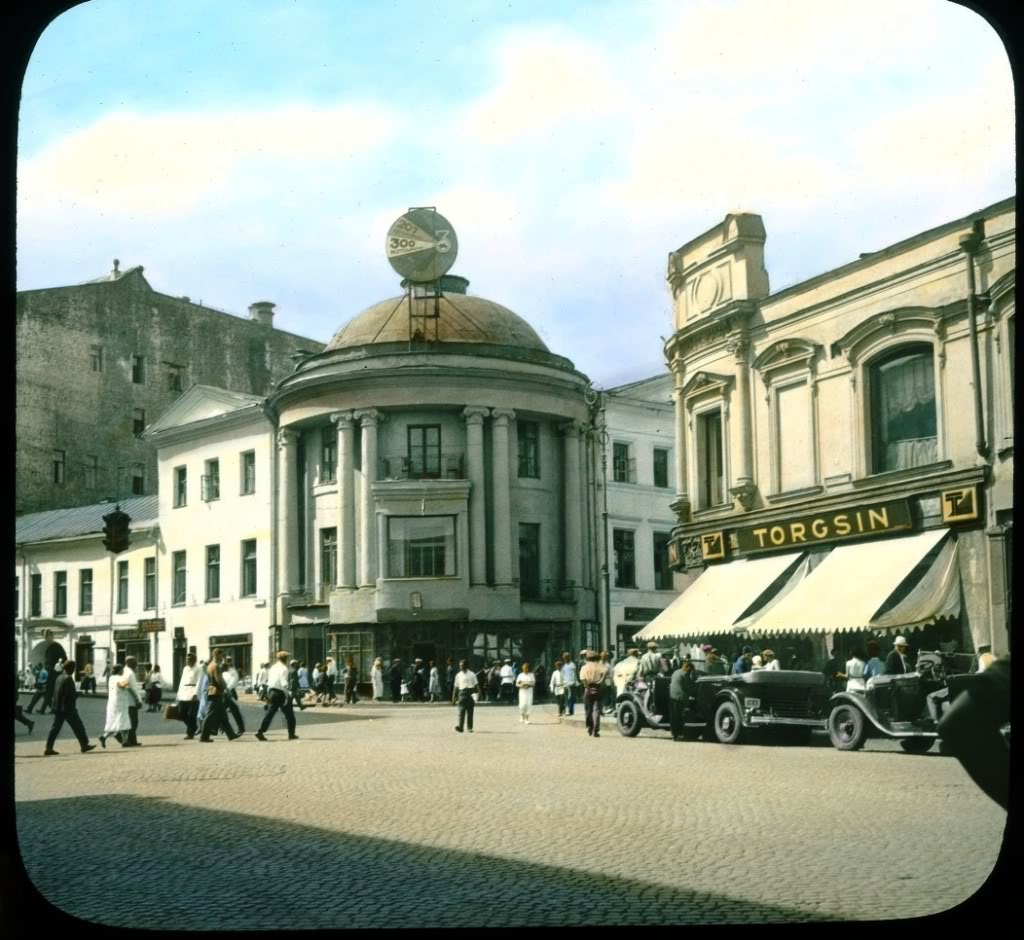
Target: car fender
{"x": 729, "y": 695}
{"x": 857, "y": 699}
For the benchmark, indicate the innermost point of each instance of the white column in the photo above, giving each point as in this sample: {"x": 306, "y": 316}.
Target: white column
{"x": 346, "y": 499}
{"x": 288, "y": 511}
{"x": 367, "y": 523}
{"x": 573, "y": 504}
{"x": 474, "y": 416}
{"x": 681, "y": 503}
{"x": 502, "y": 496}
{"x": 743, "y": 489}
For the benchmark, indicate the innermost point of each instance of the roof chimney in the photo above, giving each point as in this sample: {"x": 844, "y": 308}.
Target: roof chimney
{"x": 115, "y": 272}
{"x": 262, "y": 312}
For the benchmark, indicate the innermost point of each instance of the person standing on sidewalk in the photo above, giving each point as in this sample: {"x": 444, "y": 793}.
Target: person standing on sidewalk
{"x": 129, "y": 680}
{"x": 216, "y": 693}
{"x": 557, "y": 686}
{"x": 294, "y": 689}
{"x": 332, "y": 680}
{"x": 569, "y": 676}
{"x": 118, "y": 722}
{"x": 592, "y": 677}
{"x": 465, "y": 685}
{"x": 351, "y": 675}
{"x": 280, "y": 695}
{"x": 231, "y": 680}
{"x": 42, "y": 691}
{"x": 395, "y": 678}
{"x": 377, "y": 680}
{"x": 525, "y": 682}
{"x": 65, "y": 696}
{"x": 188, "y": 695}
{"x": 154, "y": 685}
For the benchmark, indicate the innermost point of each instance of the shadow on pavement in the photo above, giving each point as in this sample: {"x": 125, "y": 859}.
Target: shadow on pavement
{"x": 288, "y": 875}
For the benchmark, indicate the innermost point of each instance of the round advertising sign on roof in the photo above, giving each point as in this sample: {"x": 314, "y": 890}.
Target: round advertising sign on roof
{"x": 421, "y": 245}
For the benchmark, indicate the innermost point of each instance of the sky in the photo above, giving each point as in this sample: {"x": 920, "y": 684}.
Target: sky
{"x": 260, "y": 150}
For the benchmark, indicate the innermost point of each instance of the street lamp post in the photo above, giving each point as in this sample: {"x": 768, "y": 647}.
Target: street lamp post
{"x": 597, "y": 433}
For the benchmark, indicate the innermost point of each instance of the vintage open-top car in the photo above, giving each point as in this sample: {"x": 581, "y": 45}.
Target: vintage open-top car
{"x": 725, "y": 708}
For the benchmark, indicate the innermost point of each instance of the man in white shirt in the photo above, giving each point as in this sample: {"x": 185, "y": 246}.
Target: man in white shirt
{"x": 278, "y": 691}
{"x": 625, "y": 670}
{"x": 464, "y": 687}
{"x": 569, "y": 675}
{"x": 187, "y": 695}
{"x": 231, "y": 680}
{"x": 129, "y": 680}
{"x": 508, "y": 680}
{"x": 770, "y": 662}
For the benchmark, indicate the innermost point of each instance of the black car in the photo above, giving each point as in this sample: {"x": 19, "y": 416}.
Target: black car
{"x": 726, "y": 708}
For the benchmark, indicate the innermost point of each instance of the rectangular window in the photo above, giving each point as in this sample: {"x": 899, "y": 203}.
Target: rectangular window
{"x": 903, "y": 410}
{"x": 711, "y": 482}
{"x": 139, "y": 370}
{"x": 662, "y": 571}
{"x": 138, "y": 479}
{"x": 180, "y": 486}
{"x": 248, "y": 472}
{"x": 60, "y": 594}
{"x": 249, "y": 568}
{"x": 175, "y": 377}
{"x": 328, "y": 557}
{"x": 37, "y": 595}
{"x": 328, "y": 454}
{"x": 138, "y": 421}
{"x": 528, "y": 433}
{"x": 793, "y": 432}
{"x": 85, "y": 591}
{"x": 424, "y": 454}
{"x": 96, "y": 358}
{"x": 59, "y": 461}
{"x": 211, "y": 481}
{"x": 624, "y": 547}
{"x": 660, "y": 466}
{"x": 623, "y": 465}
{"x": 213, "y": 572}
{"x": 149, "y": 573}
{"x": 529, "y": 560}
{"x": 92, "y": 471}
{"x": 179, "y": 573}
{"x": 421, "y": 546}
{"x": 122, "y": 586}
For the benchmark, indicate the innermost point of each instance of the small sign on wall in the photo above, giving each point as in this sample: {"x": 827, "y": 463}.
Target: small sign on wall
{"x": 712, "y": 546}
{"x": 960, "y": 505}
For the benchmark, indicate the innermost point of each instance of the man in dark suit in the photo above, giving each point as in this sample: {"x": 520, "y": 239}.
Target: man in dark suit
{"x": 899, "y": 662}
{"x": 65, "y": 708}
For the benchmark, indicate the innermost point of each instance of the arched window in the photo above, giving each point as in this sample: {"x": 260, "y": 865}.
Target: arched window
{"x": 903, "y": 415}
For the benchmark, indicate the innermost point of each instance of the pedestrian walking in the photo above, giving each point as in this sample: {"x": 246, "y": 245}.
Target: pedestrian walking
{"x": 541, "y": 688}
{"x": 129, "y": 680}
{"x": 261, "y": 682}
{"x": 188, "y": 696}
{"x": 592, "y": 677}
{"x": 395, "y": 679}
{"x": 557, "y": 686}
{"x": 494, "y": 681}
{"x": 682, "y": 687}
{"x": 434, "y": 688}
{"x": 279, "y": 694}
{"x": 153, "y": 686}
{"x": 88, "y": 680}
{"x": 465, "y": 685}
{"x": 295, "y": 692}
{"x": 508, "y": 682}
{"x": 525, "y": 683}
{"x": 332, "y": 680}
{"x": 608, "y": 688}
{"x": 117, "y": 722}
{"x": 377, "y": 679}
{"x": 65, "y": 696}
{"x": 42, "y": 690}
{"x": 449, "y": 679}
{"x": 351, "y": 676}
{"x": 569, "y": 677}
{"x": 231, "y": 680}
{"x": 19, "y": 715}
{"x": 216, "y": 693}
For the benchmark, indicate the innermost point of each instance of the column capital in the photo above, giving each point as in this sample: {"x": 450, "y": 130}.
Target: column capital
{"x": 343, "y": 419}
{"x": 475, "y": 414}
{"x": 571, "y": 428}
{"x": 738, "y": 343}
{"x": 369, "y": 416}
{"x": 286, "y": 437}
{"x": 502, "y": 416}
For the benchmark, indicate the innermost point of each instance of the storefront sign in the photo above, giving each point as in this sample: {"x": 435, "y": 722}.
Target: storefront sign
{"x": 129, "y": 636}
{"x": 712, "y": 546}
{"x": 960, "y": 505}
{"x": 855, "y": 523}
{"x": 234, "y": 639}
{"x": 154, "y": 625}
{"x": 641, "y": 614}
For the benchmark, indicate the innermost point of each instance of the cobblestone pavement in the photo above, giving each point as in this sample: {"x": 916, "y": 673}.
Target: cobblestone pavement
{"x": 382, "y": 815}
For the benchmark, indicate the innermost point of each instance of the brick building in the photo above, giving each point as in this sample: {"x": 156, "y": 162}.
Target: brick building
{"x": 98, "y": 362}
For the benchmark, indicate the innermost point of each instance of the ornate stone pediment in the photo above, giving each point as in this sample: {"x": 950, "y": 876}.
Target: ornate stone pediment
{"x": 785, "y": 353}
{"x": 706, "y": 383}
{"x": 912, "y": 322}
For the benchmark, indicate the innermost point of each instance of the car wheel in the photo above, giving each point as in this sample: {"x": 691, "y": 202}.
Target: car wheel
{"x": 917, "y": 745}
{"x": 846, "y": 727}
{"x": 728, "y": 724}
{"x": 628, "y": 719}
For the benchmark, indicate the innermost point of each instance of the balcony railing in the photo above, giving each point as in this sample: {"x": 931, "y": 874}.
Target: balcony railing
{"x": 435, "y": 467}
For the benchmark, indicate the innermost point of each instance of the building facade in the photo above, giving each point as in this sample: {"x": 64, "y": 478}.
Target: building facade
{"x": 98, "y": 362}
{"x": 866, "y": 413}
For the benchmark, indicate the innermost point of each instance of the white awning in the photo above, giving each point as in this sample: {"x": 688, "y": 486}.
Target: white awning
{"x": 853, "y": 583}
{"x": 720, "y": 596}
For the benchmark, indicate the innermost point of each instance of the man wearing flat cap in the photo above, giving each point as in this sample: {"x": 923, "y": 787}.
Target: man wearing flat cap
{"x": 899, "y": 662}
{"x": 649, "y": 662}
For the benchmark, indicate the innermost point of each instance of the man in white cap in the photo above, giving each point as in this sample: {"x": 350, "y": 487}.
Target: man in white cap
{"x": 898, "y": 662}
{"x": 649, "y": 662}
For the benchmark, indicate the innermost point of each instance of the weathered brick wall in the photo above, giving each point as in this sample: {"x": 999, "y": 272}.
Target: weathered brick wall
{"x": 63, "y": 404}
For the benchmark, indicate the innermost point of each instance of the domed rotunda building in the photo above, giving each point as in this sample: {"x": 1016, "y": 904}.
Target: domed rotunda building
{"x": 432, "y": 488}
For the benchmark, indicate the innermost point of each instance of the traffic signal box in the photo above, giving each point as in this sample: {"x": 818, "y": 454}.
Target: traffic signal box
{"x": 116, "y": 537}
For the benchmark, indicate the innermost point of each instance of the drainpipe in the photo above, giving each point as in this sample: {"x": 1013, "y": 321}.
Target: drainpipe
{"x": 23, "y": 603}
{"x": 969, "y": 244}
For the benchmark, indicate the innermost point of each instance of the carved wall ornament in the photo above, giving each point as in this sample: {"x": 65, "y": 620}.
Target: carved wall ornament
{"x": 286, "y": 437}
{"x": 692, "y": 557}
{"x": 743, "y": 495}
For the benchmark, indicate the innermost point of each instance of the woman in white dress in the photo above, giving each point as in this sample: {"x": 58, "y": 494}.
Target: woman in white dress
{"x": 434, "y": 686}
{"x": 118, "y": 721}
{"x": 525, "y": 682}
{"x": 377, "y": 679}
